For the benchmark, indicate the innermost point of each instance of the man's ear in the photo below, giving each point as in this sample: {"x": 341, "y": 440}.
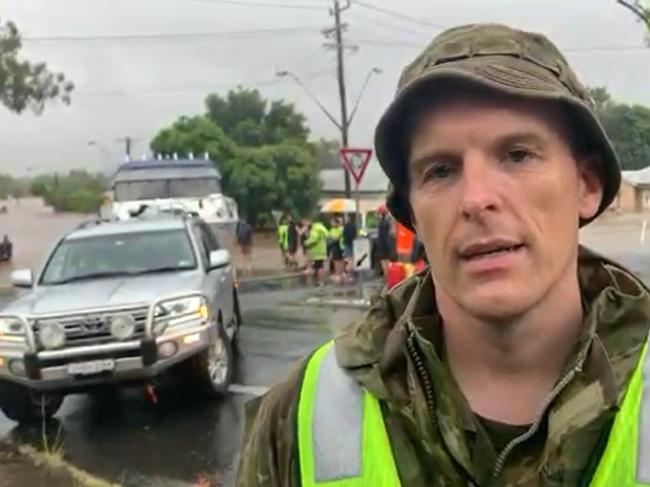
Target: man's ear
{"x": 590, "y": 184}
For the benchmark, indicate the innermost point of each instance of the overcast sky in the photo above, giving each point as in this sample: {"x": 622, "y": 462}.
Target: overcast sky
{"x": 136, "y": 86}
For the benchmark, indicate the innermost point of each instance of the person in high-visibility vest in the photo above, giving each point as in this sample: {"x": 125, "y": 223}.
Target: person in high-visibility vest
{"x": 520, "y": 358}
{"x": 335, "y": 249}
{"x": 283, "y": 240}
{"x": 316, "y": 247}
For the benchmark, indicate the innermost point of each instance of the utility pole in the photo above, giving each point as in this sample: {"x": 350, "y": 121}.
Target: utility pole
{"x": 338, "y": 28}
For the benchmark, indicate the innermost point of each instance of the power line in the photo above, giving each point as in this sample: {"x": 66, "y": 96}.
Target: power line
{"x": 227, "y": 35}
{"x": 390, "y": 43}
{"x": 398, "y": 15}
{"x": 244, "y": 3}
{"x": 193, "y": 90}
{"x": 391, "y": 27}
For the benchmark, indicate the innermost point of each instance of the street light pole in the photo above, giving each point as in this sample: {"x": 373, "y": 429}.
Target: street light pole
{"x": 102, "y": 149}
{"x": 361, "y": 92}
{"x": 638, "y": 9}
{"x": 345, "y": 123}
{"x": 342, "y": 89}
{"x": 313, "y": 97}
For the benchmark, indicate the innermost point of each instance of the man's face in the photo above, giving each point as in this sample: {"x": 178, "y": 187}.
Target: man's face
{"x": 497, "y": 195}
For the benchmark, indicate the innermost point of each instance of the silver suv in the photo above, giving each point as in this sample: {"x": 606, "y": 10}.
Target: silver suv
{"x": 119, "y": 302}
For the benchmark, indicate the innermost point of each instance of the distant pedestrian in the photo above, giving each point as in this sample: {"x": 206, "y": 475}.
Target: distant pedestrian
{"x": 303, "y": 230}
{"x": 335, "y": 249}
{"x": 6, "y": 248}
{"x": 245, "y": 242}
{"x": 383, "y": 244}
{"x": 316, "y": 246}
{"x": 292, "y": 243}
{"x": 283, "y": 240}
{"x": 349, "y": 234}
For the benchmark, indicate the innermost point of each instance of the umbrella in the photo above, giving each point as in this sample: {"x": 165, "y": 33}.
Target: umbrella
{"x": 338, "y": 205}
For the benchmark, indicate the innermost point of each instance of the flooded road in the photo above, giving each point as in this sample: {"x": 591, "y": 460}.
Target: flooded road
{"x": 34, "y": 229}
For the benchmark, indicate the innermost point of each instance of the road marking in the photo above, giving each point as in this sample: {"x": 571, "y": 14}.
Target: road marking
{"x": 249, "y": 390}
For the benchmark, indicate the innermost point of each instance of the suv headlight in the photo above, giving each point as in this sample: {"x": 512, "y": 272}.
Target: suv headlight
{"x": 51, "y": 335}
{"x": 12, "y": 329}
{"x": 178, "y": 311}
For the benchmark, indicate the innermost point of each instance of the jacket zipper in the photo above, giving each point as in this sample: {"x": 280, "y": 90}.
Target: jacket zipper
{"x": 427, "y": 383}
{"x": 424, "y": 376}
{"x": 501, "y": 460}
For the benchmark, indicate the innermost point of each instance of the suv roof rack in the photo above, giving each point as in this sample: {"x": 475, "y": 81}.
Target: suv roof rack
{"x": 147, "y": 211}
{"x": 93, "y": 223}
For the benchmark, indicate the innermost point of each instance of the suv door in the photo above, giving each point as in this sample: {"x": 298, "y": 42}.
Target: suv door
{"x": 218, "y": 283}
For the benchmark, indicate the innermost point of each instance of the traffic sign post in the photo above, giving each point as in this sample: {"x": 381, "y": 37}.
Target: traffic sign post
{"x": 355, "y": 162}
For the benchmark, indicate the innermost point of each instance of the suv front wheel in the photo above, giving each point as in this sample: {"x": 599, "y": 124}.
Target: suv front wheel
{"x": 212, "y": 369}
{"x": 24, "y": 405}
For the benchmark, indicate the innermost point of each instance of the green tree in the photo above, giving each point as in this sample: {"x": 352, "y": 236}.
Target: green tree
{"x": 327, "y": 153}
{"x": 24, "y": 84}
{"x": 239, "y": 106}
{"x": 198, "y": 135}
{"x": 283, "y": 123}
{"x": 77, "y": 191}
{"x": 264, "y": 157}
{"x": 248, "y": 119}
{"x": 628, "y": 126}
{"x": 283, "y": 177}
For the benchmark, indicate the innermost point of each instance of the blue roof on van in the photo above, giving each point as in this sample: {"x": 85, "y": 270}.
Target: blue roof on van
{"x": 166, "y": 163}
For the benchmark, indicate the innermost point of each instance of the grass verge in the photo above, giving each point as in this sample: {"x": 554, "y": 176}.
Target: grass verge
{"x": 52, "y": 460}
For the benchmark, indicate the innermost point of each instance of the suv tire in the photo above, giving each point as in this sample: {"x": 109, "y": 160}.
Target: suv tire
{"x": 24, "y": 405}
{"x": 237, "y": 321}
{"x": 212, "y": 370}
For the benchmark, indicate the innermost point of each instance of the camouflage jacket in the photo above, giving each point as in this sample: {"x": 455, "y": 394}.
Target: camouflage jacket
{"x": 440, "y": 442}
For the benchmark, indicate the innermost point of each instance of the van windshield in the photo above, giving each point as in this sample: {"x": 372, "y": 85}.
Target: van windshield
{"x": 166, "y": 188}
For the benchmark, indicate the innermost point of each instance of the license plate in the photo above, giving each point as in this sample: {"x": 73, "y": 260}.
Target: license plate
{"x": 92, "y": 367}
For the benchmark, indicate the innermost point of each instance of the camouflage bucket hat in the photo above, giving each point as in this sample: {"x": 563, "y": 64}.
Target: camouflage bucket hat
{"x": 502, "y": 59}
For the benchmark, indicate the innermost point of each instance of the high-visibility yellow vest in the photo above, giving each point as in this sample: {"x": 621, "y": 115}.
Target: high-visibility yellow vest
{"x": 343, "y": 442}
{"x": 283, "y": 236}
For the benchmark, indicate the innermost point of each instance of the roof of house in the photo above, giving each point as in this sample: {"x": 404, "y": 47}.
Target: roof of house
{"x": 638, "y": 177}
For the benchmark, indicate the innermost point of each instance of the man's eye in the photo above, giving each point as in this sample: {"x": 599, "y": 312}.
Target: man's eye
{"x": 519, "y": 155}
{"x": 439, "y": 171}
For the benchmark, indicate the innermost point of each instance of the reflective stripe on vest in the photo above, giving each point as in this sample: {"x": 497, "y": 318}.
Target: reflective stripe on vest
{"x": 343, "y": 442}
{"x": 626, "y": 460}
{"x": 342, "y": 438}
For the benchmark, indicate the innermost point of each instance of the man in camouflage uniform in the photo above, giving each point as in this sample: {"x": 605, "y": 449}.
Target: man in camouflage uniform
{"x": 508, "y": 361}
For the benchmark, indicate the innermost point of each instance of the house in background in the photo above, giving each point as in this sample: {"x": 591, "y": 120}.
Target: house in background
{"x": 634, "y": 195}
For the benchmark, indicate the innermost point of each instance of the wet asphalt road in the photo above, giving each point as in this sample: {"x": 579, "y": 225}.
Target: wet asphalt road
{"x": 121, "y": 436}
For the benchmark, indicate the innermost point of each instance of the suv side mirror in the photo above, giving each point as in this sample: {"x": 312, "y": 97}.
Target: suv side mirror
{"x": 22, "y": 278}
{"x": 219, "y": 258}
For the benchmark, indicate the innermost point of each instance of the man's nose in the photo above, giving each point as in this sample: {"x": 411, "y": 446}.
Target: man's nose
{"x": 480, "y": 187}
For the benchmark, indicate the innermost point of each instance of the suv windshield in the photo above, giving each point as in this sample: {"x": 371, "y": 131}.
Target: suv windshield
{"x": 119, "y": 254}
{"x": 166, "y": 188}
